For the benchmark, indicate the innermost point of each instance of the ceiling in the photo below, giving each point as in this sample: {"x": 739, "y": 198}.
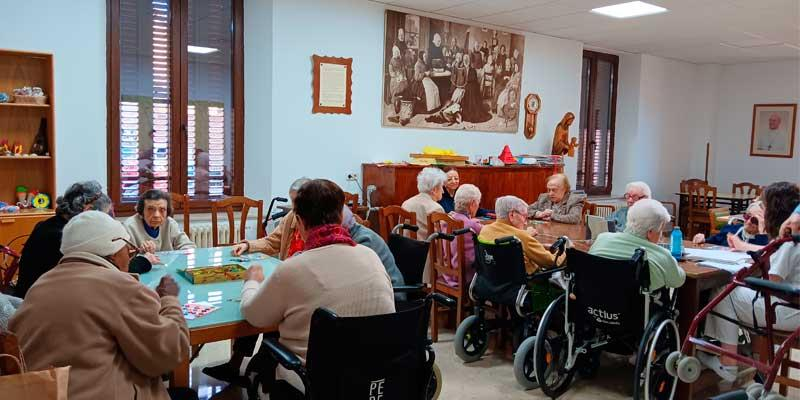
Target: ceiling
{"x": 697, "y": 31}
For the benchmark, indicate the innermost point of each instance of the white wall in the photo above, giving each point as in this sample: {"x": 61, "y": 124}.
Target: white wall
{"x": 741, "y": 86}
{"x": 75, "y": 33}
{"x": 321, "y": 145}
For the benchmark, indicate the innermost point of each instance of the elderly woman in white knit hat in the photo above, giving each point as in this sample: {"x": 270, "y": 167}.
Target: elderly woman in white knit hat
{"x": 89, "y": 313}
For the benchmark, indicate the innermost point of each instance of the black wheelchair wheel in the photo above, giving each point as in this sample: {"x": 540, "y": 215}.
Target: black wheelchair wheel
{"x": 524, "y": 371}
{"x": 651, "y": 379}
{"x": 435, "y": 384}
{"x": 471, "y": 339}
{"x": 550, "y": 351}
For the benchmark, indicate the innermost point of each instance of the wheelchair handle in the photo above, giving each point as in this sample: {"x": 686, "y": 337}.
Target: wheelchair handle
{"x": 559, "y": 245}
{"x": 506, "y": 240}
{"x": 441, "y": 235}
{"x": 461, "y": 231}
{"x": 442, "y": 300}
{"x": 399, "y": 227}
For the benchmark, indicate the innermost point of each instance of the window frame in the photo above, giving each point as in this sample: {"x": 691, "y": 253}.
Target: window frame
{"x": 588, "y": 156}
{"x": 179, "y": 94}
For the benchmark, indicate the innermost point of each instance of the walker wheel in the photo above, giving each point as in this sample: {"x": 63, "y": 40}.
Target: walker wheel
{"x": 672, "y": 363}
{"x": 689, "y": 369}
{"x": 754, "y": 391}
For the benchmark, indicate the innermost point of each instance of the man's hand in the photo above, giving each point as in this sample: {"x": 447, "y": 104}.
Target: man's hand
{"x": 532, "y": 231}
{"x": 254, "y": 273}
{"x": 699, "y": 239}
{"x": 149, "y": 246}
{"x": 167, "y": 287}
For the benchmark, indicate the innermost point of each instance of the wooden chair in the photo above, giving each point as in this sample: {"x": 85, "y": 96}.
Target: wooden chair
{"x": 683, "y": 209}
{"x": 746, "y": 188}
{"x": 783, "y": 380}
{"x": 686, "y": 184}
{"x": 441, "y": 258}
{"x": 228, "y": 205}
{"x": 714, "y": 214}
{"x": 390, "y": 216}
{"x": 351, "y": 200}
{"x": 181, "y": 201}
{"x": 600, "y": 210}
{"x": 702, "y": 198}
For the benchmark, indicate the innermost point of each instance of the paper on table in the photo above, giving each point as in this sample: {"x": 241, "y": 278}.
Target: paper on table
{"x": 732, "y": 268}
{"x": 722, "y": 256}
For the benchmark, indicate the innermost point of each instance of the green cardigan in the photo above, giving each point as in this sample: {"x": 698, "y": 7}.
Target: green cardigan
{"x": 664, "y": 270}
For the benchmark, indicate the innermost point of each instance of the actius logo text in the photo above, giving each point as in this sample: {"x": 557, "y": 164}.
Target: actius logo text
{"x": 603, "y": 315}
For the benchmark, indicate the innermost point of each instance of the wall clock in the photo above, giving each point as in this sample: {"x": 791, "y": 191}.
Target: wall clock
{"x": 532, "y": 105}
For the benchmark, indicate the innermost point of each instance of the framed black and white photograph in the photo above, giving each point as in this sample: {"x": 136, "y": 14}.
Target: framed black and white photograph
{"x": 773, "y": 130}
{"x": 445, "y": 75}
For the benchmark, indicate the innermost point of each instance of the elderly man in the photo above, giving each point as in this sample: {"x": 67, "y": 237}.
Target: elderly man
{"x": 559, "y": 204}
{"x": 646, "y": 219}
{"x": 512, "y": 216}
{"x": 152, "y": 227}
{"x": 774, "y": 139}
{"x": 634, "y": 192}
{"x": 282, "y": 243}
{"x": 430, "y": 182}
{"x": 118, "y": 336}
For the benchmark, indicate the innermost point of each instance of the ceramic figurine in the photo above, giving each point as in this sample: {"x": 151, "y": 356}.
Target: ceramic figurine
{"x": 17, "y": 149}
{"x": 8, "y": 208}
{"x": 41, "y": 201}
{"x": 562, "y": 145}
{"x": 4, "y": 97}
{"x": 39, "y": 146}
{"x": 4, "y": 149}
{"x": 22, "y": 197}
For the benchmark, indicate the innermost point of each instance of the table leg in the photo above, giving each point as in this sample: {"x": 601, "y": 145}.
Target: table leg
{"x": 180, "y": 376}
{"x": 688, "y": 306}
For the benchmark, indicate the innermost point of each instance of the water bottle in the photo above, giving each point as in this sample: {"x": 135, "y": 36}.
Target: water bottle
{"x": 676, "y": 244}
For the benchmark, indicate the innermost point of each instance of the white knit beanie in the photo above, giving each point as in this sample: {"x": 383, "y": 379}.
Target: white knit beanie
{"x": 93, "y": 232}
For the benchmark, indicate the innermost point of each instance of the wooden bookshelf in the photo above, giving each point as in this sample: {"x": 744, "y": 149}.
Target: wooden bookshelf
{"x": 19, "y": 123}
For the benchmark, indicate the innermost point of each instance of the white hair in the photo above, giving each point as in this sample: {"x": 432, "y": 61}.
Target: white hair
{"x": 429, "y": 179}
{"x": 465, "y": 194}
{"x": 645, "y": 216}
{"x": 504, "y": 205}
{"x": 643, "y": 187}
{"x": 298, "y": 183}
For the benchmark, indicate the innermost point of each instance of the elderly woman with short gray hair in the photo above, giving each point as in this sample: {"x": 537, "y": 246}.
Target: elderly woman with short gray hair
{"x": 430, "y": 183}
{"x": 634, "y": 192}
{"x": 43, "y": 248}
{"x": 646, "y": 219}
{"x": 467, "y": 200}
{"x": 512, "y": 217}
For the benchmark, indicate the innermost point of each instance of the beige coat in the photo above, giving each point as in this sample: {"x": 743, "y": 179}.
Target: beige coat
{"x": 278, "y": 241}
{"x": 118, "y": 335}
{"x": 422, "y": 205}
{"x": 567, "y": 211}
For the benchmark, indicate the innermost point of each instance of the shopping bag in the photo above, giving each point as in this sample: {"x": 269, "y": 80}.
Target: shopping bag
{"x": 50, "y": 384}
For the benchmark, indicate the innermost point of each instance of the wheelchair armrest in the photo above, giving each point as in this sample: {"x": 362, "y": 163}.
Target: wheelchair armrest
{"x": 443, "y": 300}
{"x": 284, "y": 356}
{"x": 506, "y": 240}
{"x": 785, "y": 291}
{"x": 419, "y": 287}
{"x": 544, "y": 274}
{"x": 461, "y": 231}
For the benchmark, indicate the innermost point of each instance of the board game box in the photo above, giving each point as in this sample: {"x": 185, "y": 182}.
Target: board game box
{"x": 218, "y": 273}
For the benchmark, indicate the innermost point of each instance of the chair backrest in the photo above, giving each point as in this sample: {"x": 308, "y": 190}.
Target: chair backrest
{"x": 746, "y": 188}
{"x": 702, "y": 197}
{"x": 351, "y": 200}
{"x": 609, "y": 292}
{"x": 714, "y": 214}
{"x": 441, "y": 251}
{"x": 410, "y": 255}
{"x": 182, "y": 201}
{"x": 377, "y": 357}
{"x": 500, "y": 269}
{"x": 10, "y": 345}
{"x": 229, "y": 204}
{"x": 686, "y": 184}
{"x": 391, "y": 216}
{"x": 9, "y": 264}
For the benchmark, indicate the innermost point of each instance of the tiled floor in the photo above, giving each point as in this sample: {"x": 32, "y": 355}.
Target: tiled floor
{"x": 490, "y": 378}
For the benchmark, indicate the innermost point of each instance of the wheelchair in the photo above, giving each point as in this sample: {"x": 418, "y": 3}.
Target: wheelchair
{"x": 607, "y": 306}
{"x": 686, "y": 367}
{"x": 390, "y": 356}
{"x": 501, "y": 280}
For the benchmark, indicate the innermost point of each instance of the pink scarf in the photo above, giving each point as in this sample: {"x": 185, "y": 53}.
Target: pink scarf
{"x": 324, "y": 235}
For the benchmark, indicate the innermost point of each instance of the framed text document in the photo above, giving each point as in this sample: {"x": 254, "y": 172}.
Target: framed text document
{"x": 333, "y": 78}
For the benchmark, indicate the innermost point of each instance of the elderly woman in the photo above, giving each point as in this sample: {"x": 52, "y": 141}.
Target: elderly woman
{"x": 152, "y": 228}
{"x": 448, "y": 195}
{"x": 646, "y": 219}
{"x": 512, "y": 217}
{"x": 332, "y": 272}
{"x": 42, "y": 250}
{"x": 467, "y": 199}
{"x": 634, "y": 192}
{"x": 118, "y": 336}
{"x": 429, "y": 184}
{"x": 751, "y": 231}
{"x": 367, "y": 237}
{"x": 283, "y": 242}
{"x": 559, "y": 204}
{"x": 781, "y": 199}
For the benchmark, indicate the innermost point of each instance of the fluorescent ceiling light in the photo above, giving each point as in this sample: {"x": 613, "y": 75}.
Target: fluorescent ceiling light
{"x": 629, "y": 10}
{"x": 201, "y": 49}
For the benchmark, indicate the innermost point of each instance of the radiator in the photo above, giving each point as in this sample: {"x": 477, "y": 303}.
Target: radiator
{"x": 202, "y": 235}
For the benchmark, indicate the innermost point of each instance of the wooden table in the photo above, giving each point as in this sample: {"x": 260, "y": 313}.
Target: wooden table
{"x": 223, "y": 324}
{"x": 738, "y": 203}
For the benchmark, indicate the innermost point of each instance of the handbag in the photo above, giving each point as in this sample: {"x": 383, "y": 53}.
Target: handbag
{"x": 50, "y": 384}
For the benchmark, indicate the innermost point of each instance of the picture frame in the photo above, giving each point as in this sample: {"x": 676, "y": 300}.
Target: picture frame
{"x": 332, "y": 85}
{"x": 773, "y": 129}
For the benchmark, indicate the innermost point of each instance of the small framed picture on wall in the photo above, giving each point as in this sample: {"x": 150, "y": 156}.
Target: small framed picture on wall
{"x": 773, "y": 129}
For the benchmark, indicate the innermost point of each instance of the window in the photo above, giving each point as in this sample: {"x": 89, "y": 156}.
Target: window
{"x": 175, "y": 99}
{"x": 598, "y": 114}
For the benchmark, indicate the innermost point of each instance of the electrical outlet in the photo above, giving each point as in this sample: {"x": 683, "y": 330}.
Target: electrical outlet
{"x": 352, "y": 177}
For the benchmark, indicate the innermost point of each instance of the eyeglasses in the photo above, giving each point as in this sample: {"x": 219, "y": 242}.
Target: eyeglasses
{"x": 633, "y": 197}
{"x": 132, "y": 249}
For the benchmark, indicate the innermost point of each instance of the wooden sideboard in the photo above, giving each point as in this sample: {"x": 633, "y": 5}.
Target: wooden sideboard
{"x": 396, "y": 183}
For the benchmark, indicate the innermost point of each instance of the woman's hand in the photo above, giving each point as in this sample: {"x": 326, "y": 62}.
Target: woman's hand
{"x": 153, "y": 258}
{"x": 735, "y": 243}
{"x": 699, "y": 239}
{"x": 240, "y": 248}
{"x": 254, "y": 273}
{"x": 149, "y": 246}
{"x": 167, "y": 287}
